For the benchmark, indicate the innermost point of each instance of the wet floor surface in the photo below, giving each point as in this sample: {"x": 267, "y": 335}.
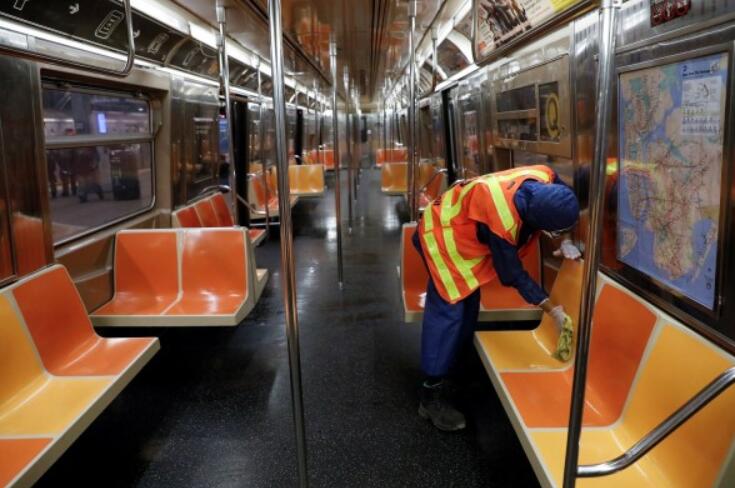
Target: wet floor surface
{"x": 213, "y": 408}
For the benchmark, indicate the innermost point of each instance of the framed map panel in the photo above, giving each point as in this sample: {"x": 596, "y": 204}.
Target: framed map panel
{"x": 671, "y": 136}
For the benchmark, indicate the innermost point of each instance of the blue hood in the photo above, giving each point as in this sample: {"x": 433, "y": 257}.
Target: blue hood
{"x": 551, "y": 207}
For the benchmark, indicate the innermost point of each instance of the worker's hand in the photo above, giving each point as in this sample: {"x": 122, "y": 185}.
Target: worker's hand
{"x": 559, "y": 315}
{"x": 568, "y": 250}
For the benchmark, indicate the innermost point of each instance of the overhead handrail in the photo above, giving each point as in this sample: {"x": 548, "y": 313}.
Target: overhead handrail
{"x": 662, "y": 430}
{"x": 122, "y": 73}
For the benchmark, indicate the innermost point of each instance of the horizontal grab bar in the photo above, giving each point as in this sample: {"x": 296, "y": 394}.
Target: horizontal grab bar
{"x": 662, "y": 430}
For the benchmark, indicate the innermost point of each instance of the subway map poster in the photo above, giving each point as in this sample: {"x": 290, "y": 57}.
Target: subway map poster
{"x": 671, "y": 129}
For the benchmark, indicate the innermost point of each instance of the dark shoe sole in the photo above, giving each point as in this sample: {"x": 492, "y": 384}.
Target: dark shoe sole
{"x": 424, "y": 414}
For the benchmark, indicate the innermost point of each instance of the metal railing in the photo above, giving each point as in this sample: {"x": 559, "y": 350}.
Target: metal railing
{"x": 438, "y": 173}
{"x": 662, "y": 430}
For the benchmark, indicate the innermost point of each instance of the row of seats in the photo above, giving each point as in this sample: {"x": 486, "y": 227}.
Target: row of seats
{"x": 430, "y": 181}
{"x": 57, "y": 374}
{"x": 212, "y": 211}
{"x": 182, "y": 277}
{"x": 498, "y": 303}
{"x": 395, "y": 155}
{"x": 643, "y": 365}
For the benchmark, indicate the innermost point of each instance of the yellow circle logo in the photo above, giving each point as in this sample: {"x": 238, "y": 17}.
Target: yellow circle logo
{"x": 552, "y": 115}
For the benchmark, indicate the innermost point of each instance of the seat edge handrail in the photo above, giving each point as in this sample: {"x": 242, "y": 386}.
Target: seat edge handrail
{"x": 438, "y": 172}
{"x": 662, "y": 430}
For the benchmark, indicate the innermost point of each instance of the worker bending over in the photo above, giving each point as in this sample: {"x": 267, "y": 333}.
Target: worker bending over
{"x": 477, "y": 230}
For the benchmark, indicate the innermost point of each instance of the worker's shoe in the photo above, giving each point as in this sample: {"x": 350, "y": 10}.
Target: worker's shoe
{"x": 435, "y": 405}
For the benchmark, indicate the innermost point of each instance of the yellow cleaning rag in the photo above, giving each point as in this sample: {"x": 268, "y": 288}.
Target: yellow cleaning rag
{"x": 564, "y": 344}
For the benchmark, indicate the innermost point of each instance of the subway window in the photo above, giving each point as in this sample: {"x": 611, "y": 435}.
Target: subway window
{"x": 99, "y": 152}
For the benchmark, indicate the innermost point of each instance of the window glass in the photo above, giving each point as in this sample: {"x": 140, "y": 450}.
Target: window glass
{"x": 69, "y": 113}
{"x": 96, "y": 182}
{"x": 92, "y": 186}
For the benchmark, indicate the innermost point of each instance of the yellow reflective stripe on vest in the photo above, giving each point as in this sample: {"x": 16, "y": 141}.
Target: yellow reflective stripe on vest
{"x": 464, "y": 266}
{"x": 501, "y": 206}
{"x": 436, "y": 257}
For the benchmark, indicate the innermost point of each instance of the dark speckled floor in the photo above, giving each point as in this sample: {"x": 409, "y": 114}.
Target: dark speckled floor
{"x": 213, "y": 407}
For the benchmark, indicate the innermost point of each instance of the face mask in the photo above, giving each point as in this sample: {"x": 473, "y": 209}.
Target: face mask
{"x": 552, "y": 234}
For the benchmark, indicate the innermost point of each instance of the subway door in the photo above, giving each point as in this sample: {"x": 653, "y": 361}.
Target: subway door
{"x": 240, "y": 151}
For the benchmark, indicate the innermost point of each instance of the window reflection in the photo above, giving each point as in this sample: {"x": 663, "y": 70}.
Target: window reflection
{"x": 92, "y": 186}
{"x": 96, "y": 175}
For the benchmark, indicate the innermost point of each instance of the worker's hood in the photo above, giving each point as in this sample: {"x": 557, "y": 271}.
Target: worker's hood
{"x": 550, "y": 207}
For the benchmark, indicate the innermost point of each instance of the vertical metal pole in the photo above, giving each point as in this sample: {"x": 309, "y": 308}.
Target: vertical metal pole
{"x": 592, "y": 259}
{"x": 224, "y": 74}
{"x": 261, "y": 146}
{"x": 335, "y": 149}
{"x": 287, "y": 255}
{"x": 348, "y": 145}
{"x": 435, "y": 66}
{"x": 413, "y": 210}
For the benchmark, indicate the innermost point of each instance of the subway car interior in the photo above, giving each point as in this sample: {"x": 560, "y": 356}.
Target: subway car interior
{"x": 367, "y": 243}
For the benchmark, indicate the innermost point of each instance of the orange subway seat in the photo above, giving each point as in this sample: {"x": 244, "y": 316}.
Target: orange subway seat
{"x": 256, "y": 236}
{"x": 326, "y": 157}
{"x": 678, "y": 366}
{"x": 622, "y": 326}
{"x": 186, "y": 217}
{"x": 31, "y": 401}
{"x": 393, "y": 178}
{"x": 214, "y": 271}
{"x": 206, "y": 213}
{"x": 306, "y": 180}
{"x": 222, "y": 211}
{"x": 531, "y": 350}
{"x": 146, "y": 273}
{"x": 495, "y": 296}
{"x": 17, "y": 454}
{"x": 379, "y": 157}
{"x": 28, "y": 235}
{"x": 60, "y": 327}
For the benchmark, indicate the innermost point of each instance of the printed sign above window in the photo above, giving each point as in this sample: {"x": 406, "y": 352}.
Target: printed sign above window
{"x": 500, "y": 22}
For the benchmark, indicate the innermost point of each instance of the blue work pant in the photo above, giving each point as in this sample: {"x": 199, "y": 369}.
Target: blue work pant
{"x": 447, "y": 327}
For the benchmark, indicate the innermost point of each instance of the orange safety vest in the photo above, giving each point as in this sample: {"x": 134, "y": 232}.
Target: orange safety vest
{"x": 459, "y": 263}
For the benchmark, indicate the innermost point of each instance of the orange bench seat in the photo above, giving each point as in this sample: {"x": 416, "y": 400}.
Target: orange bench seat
{"x": 212, "y": 211}
{"x": 197, "y": 277}
{"x": 306, "y": 180}
{"x": 58, "y": 374}
{"x": 497, "y": 302}
{"x": 642, "y": 367}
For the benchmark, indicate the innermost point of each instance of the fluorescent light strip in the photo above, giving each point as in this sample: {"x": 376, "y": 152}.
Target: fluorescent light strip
{"x": 456, "y": 76}
{"x": 203, "y": 34}
{"x": 161, "y": 13}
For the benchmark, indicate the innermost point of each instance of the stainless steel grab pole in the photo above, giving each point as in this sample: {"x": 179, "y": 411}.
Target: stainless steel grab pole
{"x": 413, "y": 211}
{"x": 335, "y": 153}
{"x": 261, "y": 146}
{"x": 287, "y": 255}
{"x": 592, "y": 259}
{"x": 224, "y": 73}
{"x": 348, "y": 146}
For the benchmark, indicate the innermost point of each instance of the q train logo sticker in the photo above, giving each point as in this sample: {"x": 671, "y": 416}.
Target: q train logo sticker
{"x": 552, "y": 115}
{"x": 663, "y": 11}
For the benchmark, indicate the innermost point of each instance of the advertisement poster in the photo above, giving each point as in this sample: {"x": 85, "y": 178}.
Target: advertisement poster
{"x": 499, "y": 21}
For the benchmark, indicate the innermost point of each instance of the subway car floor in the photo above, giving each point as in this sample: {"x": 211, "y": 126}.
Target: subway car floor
{"x": 213, "y": 408}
